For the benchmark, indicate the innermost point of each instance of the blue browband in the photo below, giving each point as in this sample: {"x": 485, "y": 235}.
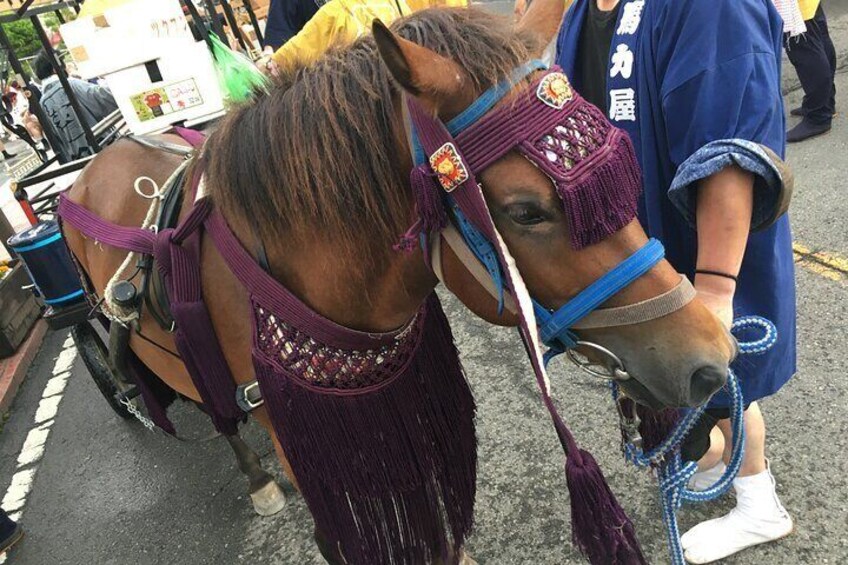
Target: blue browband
{"x": 554, "y": 326}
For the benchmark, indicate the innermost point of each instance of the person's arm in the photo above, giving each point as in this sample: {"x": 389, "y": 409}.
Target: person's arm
{"x": 724, "y": 206}
{"x": 312, "y": 40}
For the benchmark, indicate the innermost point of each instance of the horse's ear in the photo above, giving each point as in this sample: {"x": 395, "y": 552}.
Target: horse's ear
{"x": 543, "y": 19}
{"x": 436, "y": 81}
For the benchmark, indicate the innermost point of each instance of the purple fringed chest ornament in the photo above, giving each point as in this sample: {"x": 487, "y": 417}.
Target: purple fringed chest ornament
{"x": 378, "y": 428}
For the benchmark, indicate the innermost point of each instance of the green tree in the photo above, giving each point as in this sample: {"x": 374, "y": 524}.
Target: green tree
{"x": 22, "y": 37}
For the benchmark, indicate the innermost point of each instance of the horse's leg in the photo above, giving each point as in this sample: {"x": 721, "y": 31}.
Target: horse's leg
{"x": 266, "y": 494}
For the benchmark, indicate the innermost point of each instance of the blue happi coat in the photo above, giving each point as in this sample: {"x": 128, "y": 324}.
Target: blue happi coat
{"x": 701, "y": 90}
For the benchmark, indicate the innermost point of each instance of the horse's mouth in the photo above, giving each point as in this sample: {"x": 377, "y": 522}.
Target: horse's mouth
{"x": 640, "y": 394}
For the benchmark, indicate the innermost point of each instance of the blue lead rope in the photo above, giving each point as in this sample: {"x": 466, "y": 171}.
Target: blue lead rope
{"x": 674, "y": 474}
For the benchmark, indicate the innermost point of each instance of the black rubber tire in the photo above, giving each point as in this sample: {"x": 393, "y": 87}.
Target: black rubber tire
{"x": 96, "y": 358}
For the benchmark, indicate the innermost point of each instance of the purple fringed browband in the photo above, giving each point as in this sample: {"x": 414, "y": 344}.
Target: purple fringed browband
{"x": 590, "y": 162}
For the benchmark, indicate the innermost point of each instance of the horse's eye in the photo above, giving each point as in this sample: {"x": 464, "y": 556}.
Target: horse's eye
{"x": 526, "y": 214}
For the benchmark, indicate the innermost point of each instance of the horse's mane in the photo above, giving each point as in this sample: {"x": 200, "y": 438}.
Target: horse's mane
{"x": 318, "y": 156}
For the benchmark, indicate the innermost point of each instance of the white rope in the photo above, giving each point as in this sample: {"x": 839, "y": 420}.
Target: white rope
{"x": 112, "y": 310}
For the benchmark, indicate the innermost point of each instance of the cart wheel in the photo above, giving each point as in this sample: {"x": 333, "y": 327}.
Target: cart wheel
{"x": 96, "y": 358}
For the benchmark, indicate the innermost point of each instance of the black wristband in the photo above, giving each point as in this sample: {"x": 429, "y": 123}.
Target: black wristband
{"x": 716, "y": 274}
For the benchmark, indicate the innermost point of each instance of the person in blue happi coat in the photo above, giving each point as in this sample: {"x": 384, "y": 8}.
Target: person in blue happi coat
{"x": 696, "y": 85}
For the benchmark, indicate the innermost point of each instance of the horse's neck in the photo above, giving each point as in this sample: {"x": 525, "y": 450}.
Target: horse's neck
{"x": 382, "y": 300}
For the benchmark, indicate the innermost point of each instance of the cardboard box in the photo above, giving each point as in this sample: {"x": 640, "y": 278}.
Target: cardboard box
{"x": 127, "y": 35}
{"x": 188, "y": 90}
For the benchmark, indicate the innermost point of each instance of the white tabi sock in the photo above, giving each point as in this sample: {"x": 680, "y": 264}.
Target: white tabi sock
{"x": 758, "y": 517}
{"x": 702, "y": 480}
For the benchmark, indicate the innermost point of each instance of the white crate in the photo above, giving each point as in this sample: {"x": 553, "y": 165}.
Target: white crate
{"x": 189, "y": 91}
{"x": 126, "y": 35}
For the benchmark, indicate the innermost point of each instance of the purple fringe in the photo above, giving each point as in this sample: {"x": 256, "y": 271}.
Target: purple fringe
{"x": 388, "y": 472}
{"x": 654, "y": 426}
{"x": 600, "y": 528}
{"x": 605, "y": 200}
{"x": 428, "y": 199}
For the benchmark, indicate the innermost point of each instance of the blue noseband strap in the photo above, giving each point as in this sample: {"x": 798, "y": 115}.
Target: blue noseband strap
{"x": 554, "y": 326}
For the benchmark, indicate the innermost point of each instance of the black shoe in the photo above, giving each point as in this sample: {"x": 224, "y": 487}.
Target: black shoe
{"x": 806, "y": 130}
{"x": 800, "y": 112}
{"x": 10, "y": 533}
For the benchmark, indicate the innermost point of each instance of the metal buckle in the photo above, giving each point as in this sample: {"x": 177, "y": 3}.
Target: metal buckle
{"x": 243, "y": 397}
{"x": 612, "y": 371}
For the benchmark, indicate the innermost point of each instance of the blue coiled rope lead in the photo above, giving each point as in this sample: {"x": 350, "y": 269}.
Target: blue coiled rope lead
{"x": 674, "y": 474}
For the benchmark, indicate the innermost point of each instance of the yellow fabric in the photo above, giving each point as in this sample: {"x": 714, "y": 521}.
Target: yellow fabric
{"x": 808, "y": 8}
{"x": 92, "y": 8}
{"x": 416, "y": 5}
{"x": 340, "y": 22}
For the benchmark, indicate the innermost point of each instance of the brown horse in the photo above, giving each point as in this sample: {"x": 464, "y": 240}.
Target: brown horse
{"x": 318, "y": 170}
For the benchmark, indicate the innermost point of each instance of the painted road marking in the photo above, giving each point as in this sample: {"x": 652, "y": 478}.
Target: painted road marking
{"x": 826, "y": 264}
{"x": 32, "y": 450}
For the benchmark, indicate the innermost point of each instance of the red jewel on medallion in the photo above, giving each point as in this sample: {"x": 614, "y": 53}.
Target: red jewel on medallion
{"x": 555, "y": 90}
{"x": 448, "y": 165}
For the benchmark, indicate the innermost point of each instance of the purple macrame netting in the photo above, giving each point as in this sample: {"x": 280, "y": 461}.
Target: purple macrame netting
{"x": 289, "y": 349}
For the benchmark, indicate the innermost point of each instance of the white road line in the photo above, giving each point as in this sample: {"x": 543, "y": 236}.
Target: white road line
{"x": 32, "y": 450}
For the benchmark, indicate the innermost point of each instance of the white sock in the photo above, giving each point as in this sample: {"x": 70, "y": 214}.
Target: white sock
{"x": 758, "y": 517}
{"x": 702, "y": 480}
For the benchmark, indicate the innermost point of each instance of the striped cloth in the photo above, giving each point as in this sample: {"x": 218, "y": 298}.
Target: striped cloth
{"x": 793, "y": 21}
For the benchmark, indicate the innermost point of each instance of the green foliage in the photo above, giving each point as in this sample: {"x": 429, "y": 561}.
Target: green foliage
{"x": 23, "y": 38}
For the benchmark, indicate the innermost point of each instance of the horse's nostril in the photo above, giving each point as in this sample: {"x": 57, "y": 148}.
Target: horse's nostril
{"x": 706, "y": 381}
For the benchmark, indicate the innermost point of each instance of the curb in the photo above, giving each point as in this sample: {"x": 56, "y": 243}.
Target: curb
{"x": 13, "y": 369}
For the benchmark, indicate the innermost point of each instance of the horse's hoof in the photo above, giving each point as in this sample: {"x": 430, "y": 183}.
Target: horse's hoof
{"x": 268, "y": 500}
{"x": 466, "y": 559}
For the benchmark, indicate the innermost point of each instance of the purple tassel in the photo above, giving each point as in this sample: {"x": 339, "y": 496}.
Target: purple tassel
{"x": 432, "y": 216}
{"x": 600, "y": 528}
{"x": 655, "y": 426}
{"x": 428, "y": 199}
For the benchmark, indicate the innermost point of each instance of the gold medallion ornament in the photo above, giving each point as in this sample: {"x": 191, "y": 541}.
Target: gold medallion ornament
{"x": 448, "y": 166}
{"x": 555, "y": 90}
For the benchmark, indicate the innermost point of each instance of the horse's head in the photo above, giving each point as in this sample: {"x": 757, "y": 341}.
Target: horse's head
{"x": 679, "y": 359}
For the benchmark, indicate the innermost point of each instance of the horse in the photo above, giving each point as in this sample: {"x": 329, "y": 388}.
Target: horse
{"x": 316, "y": 173}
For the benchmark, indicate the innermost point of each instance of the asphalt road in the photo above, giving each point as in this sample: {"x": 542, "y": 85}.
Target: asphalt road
{"x": 105, "y": 491}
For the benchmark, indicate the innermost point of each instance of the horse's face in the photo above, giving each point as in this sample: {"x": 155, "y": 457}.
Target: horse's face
{"x": 677, "y": 360}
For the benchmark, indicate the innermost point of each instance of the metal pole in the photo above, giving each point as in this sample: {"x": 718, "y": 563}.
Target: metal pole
{"x": 15, "y": 63}
{"x": 63, "y": 78}
{"x": 253, "y": 21}
{"x": 60, "y": 17}
{"x": 233, "y": 22}
{"x": 198, "y": 21}
{"x": 217, "y": 27}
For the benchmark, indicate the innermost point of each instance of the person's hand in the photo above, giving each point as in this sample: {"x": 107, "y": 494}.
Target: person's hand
{"x": 267, "y": 65}
{"x": 717, "y": 294}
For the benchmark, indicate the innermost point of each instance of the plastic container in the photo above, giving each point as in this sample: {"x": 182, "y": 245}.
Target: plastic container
{"x": 43, "y": 251}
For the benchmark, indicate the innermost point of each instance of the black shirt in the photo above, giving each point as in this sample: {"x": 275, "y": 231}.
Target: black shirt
{"x": 593, "y": 53}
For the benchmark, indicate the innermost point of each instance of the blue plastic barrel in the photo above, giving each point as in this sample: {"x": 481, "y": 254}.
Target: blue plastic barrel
{"x": 43, "y": 251}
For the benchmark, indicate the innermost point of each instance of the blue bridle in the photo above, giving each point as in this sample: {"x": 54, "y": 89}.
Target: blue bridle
{"x": 554, "y": 326}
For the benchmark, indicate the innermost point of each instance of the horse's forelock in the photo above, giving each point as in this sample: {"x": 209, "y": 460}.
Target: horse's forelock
{"x": 321, "y": 155}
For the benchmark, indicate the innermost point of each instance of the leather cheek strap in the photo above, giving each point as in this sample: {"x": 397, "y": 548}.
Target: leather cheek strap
{"x": 454, "y": 240}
